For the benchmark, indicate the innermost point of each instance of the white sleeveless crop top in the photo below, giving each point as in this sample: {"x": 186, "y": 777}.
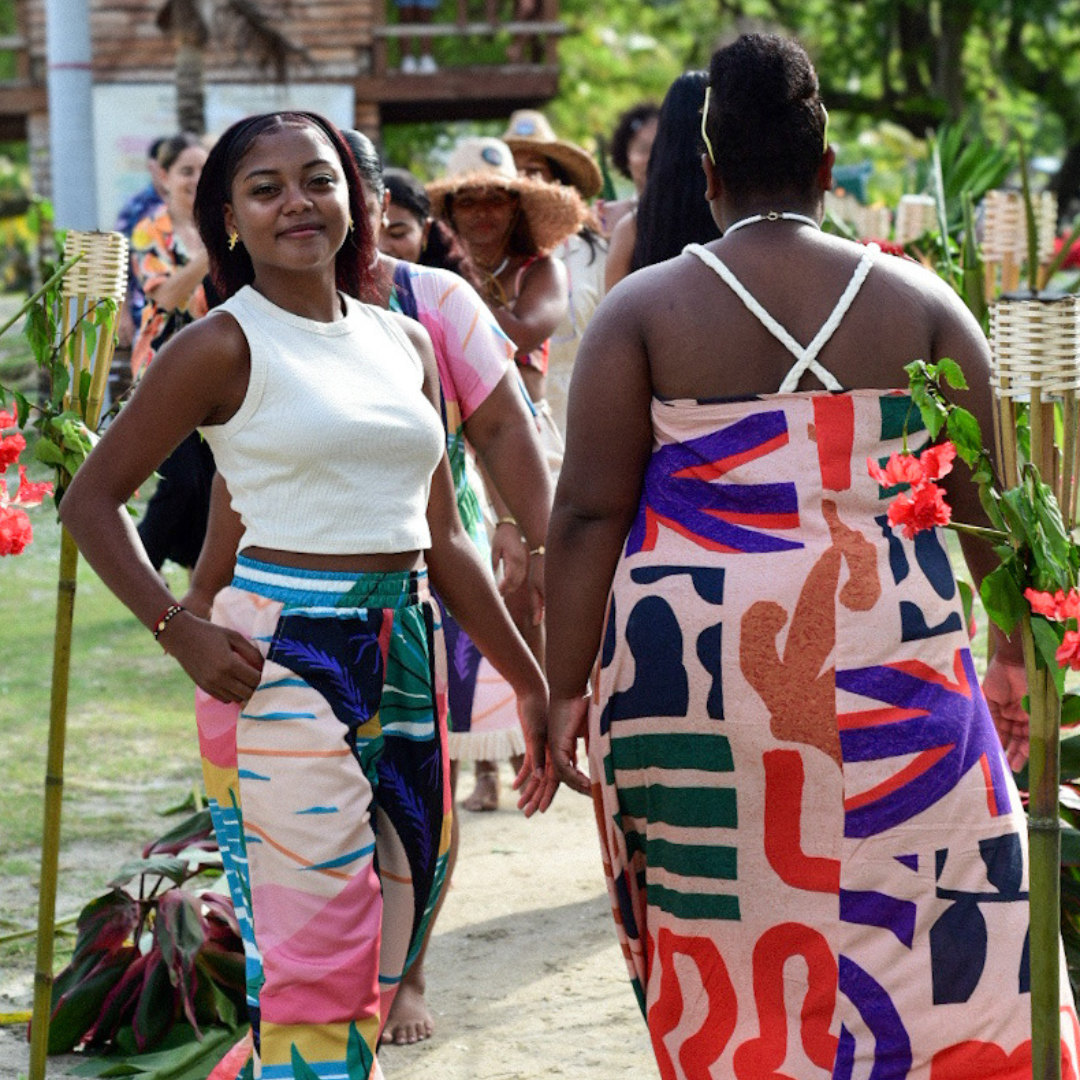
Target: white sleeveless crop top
{"x": 333, "y": 448}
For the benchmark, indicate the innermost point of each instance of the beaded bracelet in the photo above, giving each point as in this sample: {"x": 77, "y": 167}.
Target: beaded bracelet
{"x": 168, "y": 615}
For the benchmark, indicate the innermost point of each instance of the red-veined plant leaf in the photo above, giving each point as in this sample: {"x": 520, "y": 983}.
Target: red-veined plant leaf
{"x": 75, "y": 1012}
{"x": 156, "y": 1011}
{"x": 220, "y": 916}
{"x": 119, "y": 1005}
{"x": 105, "y": 924}
{"x": 180, "y": 932}
{"x": 192, "y": 832}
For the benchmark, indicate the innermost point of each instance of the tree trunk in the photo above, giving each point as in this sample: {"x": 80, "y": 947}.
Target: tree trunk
{"x": 190, "y": 95}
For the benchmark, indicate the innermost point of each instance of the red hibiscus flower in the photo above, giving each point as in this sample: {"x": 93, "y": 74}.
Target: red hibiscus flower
{"x": 10, "y": 449}
{"x": 1069, "y": 650}
{"x": 937, "y": 461}
{"x": 30, "y": 494}
{"x": 15, "y": 530}
{"x": 899, "y": 469}
{"x": 923, "y": 508}
{"x": 1057, "y": 606}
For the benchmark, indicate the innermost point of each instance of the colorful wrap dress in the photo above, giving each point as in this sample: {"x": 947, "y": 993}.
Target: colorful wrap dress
{"x": 472, "y": 354}
{"x": 815, "y": 851}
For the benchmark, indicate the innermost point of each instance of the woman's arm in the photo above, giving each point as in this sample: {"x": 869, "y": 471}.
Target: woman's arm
{"x": 609, "y": 441}
{"x": 540, "y": 306}
{"x": 620, "y": 251}
{"x": 503, "y": 433}
{"x": 199, "y": 377}
{"x": 468, "y": 590}
{"x": 175, "y": 290}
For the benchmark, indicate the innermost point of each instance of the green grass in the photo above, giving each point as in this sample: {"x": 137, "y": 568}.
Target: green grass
{"x": 131, "y": 743}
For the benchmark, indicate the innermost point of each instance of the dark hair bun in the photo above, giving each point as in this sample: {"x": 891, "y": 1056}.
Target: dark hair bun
{"x": 766, "y": 121}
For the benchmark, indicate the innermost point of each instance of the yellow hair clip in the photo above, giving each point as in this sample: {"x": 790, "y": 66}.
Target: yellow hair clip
{"x": 704, "y": 121}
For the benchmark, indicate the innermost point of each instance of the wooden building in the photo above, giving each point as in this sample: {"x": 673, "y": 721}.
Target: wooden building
{"x": 488, "y": 64}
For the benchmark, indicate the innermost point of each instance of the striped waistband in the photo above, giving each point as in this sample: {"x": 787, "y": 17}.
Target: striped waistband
{"x": 331, "y": 588}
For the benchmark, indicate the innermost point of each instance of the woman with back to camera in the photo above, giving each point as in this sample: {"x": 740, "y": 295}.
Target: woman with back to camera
{"x": 815, "y": 851}
{"x": 330, "y": 793}
{"x": 672, "y": 211}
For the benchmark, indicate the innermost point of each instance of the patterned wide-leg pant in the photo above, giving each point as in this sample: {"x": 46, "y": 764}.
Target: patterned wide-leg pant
{"x": 330, "y": 797}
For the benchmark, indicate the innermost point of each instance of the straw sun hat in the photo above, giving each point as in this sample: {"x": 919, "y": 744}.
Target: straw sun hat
{"x": 530, "y": 132}
{"x": 553, "y": 212}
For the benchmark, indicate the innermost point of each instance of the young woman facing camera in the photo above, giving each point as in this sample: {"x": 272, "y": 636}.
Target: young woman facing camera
{"x": 330, "y": 793}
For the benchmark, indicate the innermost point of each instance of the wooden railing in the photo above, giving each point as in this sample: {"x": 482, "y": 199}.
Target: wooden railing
{"x": 534, "y": 40}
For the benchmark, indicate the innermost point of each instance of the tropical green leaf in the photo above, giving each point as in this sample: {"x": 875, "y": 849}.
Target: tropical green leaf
{"x": 85, "y": 378}
{"x": 964, "y": 431}
{"x": 49, "y": 453}
{"x": 1070, "y": 757}
{"x": 1002, "y": 599}
{"x": 1047, "y": 637}
{"x": 1070, "y": 846}
{"x": 167, "y": 866}
{"x": 951, "y": 372}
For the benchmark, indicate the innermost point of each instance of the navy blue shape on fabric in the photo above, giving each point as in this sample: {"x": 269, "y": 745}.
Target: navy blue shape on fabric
{"x": 933, "y": 560}
{"x": 898, "y": 562}
{"x": 607, "y": 650}
{"x": 957, "y": 951}
{"x": 708, "y": 581}
{"x": 661, "y": 687}
{"x": 958, "y": 940}
{"x": 913, "y": 625}
{"x": 710, "y": 653}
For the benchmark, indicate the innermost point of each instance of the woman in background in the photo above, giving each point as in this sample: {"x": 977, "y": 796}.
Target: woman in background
{"x": 539, "y": 155}
{"x": 672, "y": 211}
{"x": 631, "y": 145}
{"x": 169, "y": 263}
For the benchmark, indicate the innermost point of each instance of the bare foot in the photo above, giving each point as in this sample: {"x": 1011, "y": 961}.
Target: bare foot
{"x": 409, "y": 1021}
{"x": 485, "y": 795}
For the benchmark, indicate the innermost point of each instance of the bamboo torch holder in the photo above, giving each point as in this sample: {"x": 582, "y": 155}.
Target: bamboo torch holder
{"x": 99, "y": 275}
{"x": 1035, "y": 341}
{"x": 1005, "y": 239}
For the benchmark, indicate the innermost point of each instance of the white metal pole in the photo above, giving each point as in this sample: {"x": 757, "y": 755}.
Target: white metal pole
{"x": 71, "y": 113}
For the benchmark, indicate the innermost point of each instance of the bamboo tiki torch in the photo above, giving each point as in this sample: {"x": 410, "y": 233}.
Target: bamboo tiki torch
{"x": 1036, "y": 356}
{"x": 100, "y": 275}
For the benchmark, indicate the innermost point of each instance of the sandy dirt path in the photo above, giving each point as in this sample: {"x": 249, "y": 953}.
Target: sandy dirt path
{"x": 525, "y": 977}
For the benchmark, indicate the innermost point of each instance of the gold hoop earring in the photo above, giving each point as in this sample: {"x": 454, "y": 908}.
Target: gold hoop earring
{"x": 352, "y": 224}
{"x": 234, "y": 239}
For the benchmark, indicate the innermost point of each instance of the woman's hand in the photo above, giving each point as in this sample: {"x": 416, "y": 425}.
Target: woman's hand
{"x": 220, "y": 661}
{"x": 1004, "y": 688}
{"x": 536, "y": 782}
{"x": 566, "y": 724}
{"x": 509, "y": 550}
